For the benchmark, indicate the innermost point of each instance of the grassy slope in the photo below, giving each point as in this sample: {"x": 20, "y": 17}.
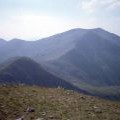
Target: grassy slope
{"x": 56, "y": 104}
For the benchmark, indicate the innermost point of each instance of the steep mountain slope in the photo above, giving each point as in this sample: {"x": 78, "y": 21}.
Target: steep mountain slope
{"x": 23, "y": 70}
{"x": 93, "y": 64}
{"x": 98, "y": 59}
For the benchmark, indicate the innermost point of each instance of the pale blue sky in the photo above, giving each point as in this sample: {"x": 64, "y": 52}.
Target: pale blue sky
{"x": 34, "y": 19}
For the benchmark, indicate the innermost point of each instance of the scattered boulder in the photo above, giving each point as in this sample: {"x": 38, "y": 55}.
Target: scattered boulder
{"x": 21, "y": 118}
{"x": 51, "y": 117}
{"x": 40, "y": 119}
{"x": 82, "y": 97}
{"x": 43, "y": 113}
{"x": 30, "y": 109}
{"x": 97, "y": 109}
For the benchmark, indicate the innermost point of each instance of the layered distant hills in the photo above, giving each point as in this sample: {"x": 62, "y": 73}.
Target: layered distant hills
{"x": 23, "y": 70}
{"x": 88, "y": 59}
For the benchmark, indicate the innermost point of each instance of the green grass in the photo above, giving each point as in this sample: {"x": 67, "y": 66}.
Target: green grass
{"x": 55, "y": 104}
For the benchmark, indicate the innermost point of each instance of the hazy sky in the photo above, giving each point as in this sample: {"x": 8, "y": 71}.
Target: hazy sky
{"x": 34, "y": 19}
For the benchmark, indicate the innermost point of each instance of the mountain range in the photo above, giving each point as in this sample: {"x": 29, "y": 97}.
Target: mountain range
{"x": 88, "y": 59}
{"x": 23, "y": 70}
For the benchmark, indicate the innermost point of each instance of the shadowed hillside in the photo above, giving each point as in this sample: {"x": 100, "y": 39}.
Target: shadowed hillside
{"x": 23, "y": 70}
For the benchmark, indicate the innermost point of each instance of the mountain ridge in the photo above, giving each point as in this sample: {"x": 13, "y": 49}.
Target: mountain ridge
{"x": 23, "y": 70}
{"x": 86, "y": 58}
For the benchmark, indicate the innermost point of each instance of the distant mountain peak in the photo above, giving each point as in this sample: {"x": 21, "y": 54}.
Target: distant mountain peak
{"x": 98, "y": 29}
{"x": 22, "y": 58}
{"x": 21, "y": 61}
{"x": 86, "y": 29}
{"x": 16, "y": 40}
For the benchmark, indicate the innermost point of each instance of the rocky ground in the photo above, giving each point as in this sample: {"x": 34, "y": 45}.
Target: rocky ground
{"x": 35, "y": 103}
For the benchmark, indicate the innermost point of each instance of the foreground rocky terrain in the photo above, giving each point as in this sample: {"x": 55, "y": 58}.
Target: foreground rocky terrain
{"x": 35, "y": 103}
